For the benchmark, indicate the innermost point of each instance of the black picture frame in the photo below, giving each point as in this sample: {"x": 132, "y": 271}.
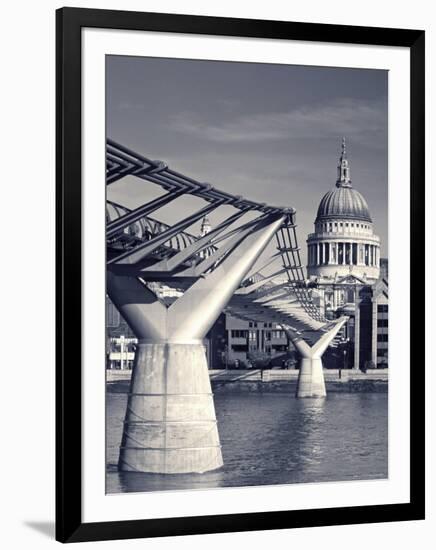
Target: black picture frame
{"x": 69, "y": 23}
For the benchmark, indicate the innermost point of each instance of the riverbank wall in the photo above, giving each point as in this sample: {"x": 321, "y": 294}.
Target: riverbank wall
{"x": 274, "y": 381}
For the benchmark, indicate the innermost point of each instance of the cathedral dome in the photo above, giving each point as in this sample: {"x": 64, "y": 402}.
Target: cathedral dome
{"x": 344, "y": 202}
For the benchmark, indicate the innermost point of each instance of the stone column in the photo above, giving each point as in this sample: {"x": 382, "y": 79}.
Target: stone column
{"x": 335, "y": 258}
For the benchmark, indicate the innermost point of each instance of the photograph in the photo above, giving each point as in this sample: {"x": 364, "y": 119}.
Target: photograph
{"x": 219, "y": 331}
{"x": 247, "y": 278}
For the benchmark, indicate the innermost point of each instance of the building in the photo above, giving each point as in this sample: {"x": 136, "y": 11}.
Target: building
{"x": 120, "y": 340}
{"x": 380, "y": 332}
{"x": 347, "y": 273}
{"x": 249, "y": 341}
{"x": 344, "y": 241}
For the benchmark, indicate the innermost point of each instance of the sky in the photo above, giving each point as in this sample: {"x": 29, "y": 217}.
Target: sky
{"x": 270, "y": 133}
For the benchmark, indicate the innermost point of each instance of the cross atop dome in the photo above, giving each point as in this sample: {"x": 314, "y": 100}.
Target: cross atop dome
{"x": 344, "y": 179}
{"x": 344, "y": 150}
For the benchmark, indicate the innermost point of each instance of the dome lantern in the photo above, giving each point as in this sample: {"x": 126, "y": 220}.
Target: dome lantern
{"x": 344, "y": 179}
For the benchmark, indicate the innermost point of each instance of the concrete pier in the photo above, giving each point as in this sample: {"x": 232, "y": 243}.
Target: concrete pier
{"x": 311, "y": 376}
{"x": 170, "y": 424}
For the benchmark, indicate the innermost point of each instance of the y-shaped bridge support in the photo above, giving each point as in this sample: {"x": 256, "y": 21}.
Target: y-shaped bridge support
{"x": 170, "y": 424}
{"x": 311, "y": 377}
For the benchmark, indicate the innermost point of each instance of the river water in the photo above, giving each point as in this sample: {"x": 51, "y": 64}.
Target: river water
{"x": 270, "y": 439}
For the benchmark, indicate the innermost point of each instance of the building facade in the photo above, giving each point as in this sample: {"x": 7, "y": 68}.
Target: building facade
{"x": 251, "y": 341}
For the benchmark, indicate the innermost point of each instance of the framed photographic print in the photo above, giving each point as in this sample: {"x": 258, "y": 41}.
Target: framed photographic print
{"x": 240, "y": 221}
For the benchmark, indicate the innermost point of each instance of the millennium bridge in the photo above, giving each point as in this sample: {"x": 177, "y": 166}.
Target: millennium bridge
{"x": 248, "y": 265}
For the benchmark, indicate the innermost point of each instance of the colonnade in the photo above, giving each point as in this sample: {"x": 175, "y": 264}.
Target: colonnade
{"x": 344, "y": 253}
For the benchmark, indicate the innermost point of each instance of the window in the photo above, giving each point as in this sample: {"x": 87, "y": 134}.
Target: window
{"x": 382, "y": 308}
{"x": 250, "y": 324}
{"x": 239, "y": 334}
{"x": 240, "y": 347}
{"x": 382, "y": 322}
{"x": 382, "y": 337}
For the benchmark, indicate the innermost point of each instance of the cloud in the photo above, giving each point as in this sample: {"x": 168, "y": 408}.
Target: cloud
{"x": 364, "y": 121}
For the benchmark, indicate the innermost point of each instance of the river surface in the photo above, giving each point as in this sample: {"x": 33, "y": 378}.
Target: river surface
{"x": 270, "y": 439}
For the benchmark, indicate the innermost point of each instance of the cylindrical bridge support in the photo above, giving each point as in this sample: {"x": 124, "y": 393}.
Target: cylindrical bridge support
{"x": 311, "y": 378}
{"x": 170, "y": 425}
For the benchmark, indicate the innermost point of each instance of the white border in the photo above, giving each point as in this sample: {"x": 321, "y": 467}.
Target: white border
{"x": 96, "y": 505}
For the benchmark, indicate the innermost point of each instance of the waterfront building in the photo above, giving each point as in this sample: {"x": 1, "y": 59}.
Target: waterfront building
{"x": 380, "y": 331}
{"x": 346, "y": 272}
{"x": 120, "y": 340}
{"x": 251, "y": 339}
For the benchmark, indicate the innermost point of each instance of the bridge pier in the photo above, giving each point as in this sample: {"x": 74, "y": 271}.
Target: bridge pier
{"x": 311, "y": 376}
{"x": 170, "y": 424}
